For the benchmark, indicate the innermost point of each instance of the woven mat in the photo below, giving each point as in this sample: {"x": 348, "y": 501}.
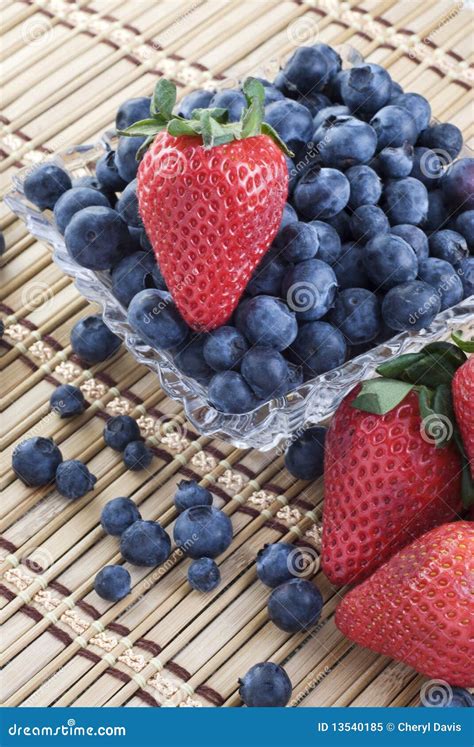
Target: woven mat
{"x": 67, "y": 66}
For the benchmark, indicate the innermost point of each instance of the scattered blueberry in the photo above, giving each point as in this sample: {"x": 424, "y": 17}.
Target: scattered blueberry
{"x": 92, "y": 340}
{"x": 365, "y": 186}
{"x": 410, "y": 306}
{"x": 310, "y": 289}
{"x": 266, "y": 371}
{"x": 395, "y": 163}
{"x": 368, "y": 221}
{"x": 304, "y": 457}
{"x": 442, "y": 137}
{"x": 321, "y": 193}
{"x": 125, "y": 157}
{"x": 389, "y": 260}
{"x": 457, "y": 184}
{"x": 357, "y": 315}
{"x": 195, "y": 100}
{"x": 328, "y": 240}
{"x": 234, "y": 101}
{"x": 394, "y": 126}
{"x": 365, "y": 89}
{"x": 413, "y": 236}
{"x": 265, "y": 685}
{"x": 137, "y": 455}
{"x": 444, "y": 278}
{"x": 134, "y": 273}
{"x": 120, "y": 430}
{"x": 190, "y": 494}
{"x": 405, "y": 201}
{"x": 279, "y": 562}
{"x": 204, "y": 574}
{"x": 229, "y": 392}
{"x": 74, "y": 200}
{"x": 203, "y": 531}
{"x": 113, "y": 583}
{"x": 154, "y": 316}
{"x": 45, "y": 184}
{"x": 267, "y": 320}
{"x": 145, "y": 543}
{"x": 117, "y": 515}
{"x": 319, "y": 347}
{"x": 347, "y": 141}
{"x": 295, "y": 605}
{"x": 107, "y": 173}
{"x": 95, "y": 236}
{"x": 131, "y": 111}
{"x": 2, "y": 243}
{"x": 448, "y": 245}
{"x": 73, "y": 479}
{"x": 36, "y": 460}
{"x": 67, "y": 400}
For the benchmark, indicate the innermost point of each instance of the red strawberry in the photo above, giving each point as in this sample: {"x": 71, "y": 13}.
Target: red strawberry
{"x": 417, "y": 608}
{"x": 211, "y": 196}
{"x": 385, "y": 483}
{"x": 463, "y": 401}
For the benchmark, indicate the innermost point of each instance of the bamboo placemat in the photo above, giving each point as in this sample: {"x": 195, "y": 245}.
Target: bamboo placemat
{"x": 66, "y": 67}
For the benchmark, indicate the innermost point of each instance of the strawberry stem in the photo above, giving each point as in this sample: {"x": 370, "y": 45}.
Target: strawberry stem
{"x": 211, "y": 125}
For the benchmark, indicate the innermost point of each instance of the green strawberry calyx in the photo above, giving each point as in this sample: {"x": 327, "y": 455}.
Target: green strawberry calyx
{"x": 211, "y": 125}
{"x": 430, "y": 373}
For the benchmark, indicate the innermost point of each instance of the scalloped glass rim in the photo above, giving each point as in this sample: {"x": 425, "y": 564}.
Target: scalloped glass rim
{"x": 267, "y": 425}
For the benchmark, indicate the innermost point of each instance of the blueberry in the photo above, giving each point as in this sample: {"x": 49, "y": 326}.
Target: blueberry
{"x": 224, "y": 348}
{"x": 357, "y": 315}
{"x": 309, "y": 69}
{"x": 125, "y": 157}
{"x": 278, "y": 563}
{"x": 131, "y": 111}
{"x": 427, "y": 167}
{"x": 120, "y": 430}
{"x": 350, "y": 269}
{"x": 73, "y": 479}
{"x": 74, "y": 200}
{"x": 289, "y": 216}
{"x": 341, "y": 224}
{"x": 438, "y": 215}
{"x": 413, "y": 236}
{"x": 2, "y": 244}
{"x": 328, "y": 240}
{"x": 117, "y": 515}
{"x": 319, "y": 347}
{"x": 464, "y": 224}
{"x": 268, "y": 321}
{"x": 366, "y": 89}
{"x": 195, "y": 100}
{"x": 442, "y": 137}
{"x": 417, "y": 106}
{"x": 189, "y": 359}
{"x": 346, "y": 142}
{"x": 461, "y": 698}
{"x": 304, "y": 457}
{"x": 444, "y": 278}
{"x": 389, "y": 261}
{"x": 229, "y": 392}
{"x": 190, "y": 494}
{"x": 234, "y": 101}
{"x": 272, "y": 93}
{"x": 145, "y": 242}
{"x": 314, "y": 101}
{"x": 310, "y": 289}
{"x": 295, "y": 605}
{"x": 134, "y": 273}
{"x": 204, "y": 574}
{"x": 405, "y": 201}
{"x": 203, "y": 531}
{"x": 465, "y": 270}
{"x": 67, "y": 400}
{"x": 267, "y": 277}
{"x": 107, "y": 172}
{"x": 36, "y": 460}
{"x": 329, "y": 112}
{"x": 457, "y": 184}
{"x": 91, "y": 181}
{"x": 154, "y": 316}
{"x": 365, "y": 186}
{"x": 137, "y": 455}
{"x": 394, "y": 127}
{"x": 410, "y": 306}
{"x": 368, "y": 221}
{"x": 396, "y": 162}
{"x": 292, "y": 121}
{"x": 266, "y": 371}
{"x": 297, "y": 241}
{"x": 113, "y": 583}
{"x": 45, "y": 184}
{"x": 94, "y": 237}
{"x": 145, "y": 543}
{"x": 265, "y": 685}
{"x": 92, "y": 340}
{"x": 396, "y": 90}
{"x": 448, "y": 245}
{"x": 127, "y": 205}
{"x": 321, "y": 193}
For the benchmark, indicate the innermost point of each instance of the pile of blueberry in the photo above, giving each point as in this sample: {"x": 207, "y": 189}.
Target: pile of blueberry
{"x": 377, "y": 236}
{"x": 37, "y": 461}
{"x": 122, "y": 433}
{"x": 201, "y": 531}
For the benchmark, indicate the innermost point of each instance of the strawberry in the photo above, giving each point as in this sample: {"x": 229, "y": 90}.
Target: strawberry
{"x": 392, "y": 466}
{"x": 417, "y": 607}
{"x": 211, "y": 196}
{"x": 463, "y": 401}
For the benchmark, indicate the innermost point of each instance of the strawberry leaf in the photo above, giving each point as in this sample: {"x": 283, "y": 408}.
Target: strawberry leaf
{"x": 268, "y": 130}
{"x": 164, "y": 99}
{"x": 447, "y": 350}
{"x": 252, "y": 117}
{"x": 466, "y": 345}
{"x": 144, "y": 128}
{"x": 178, "y": 127}
{"x": 379, "y": 396}
{"x": 394, "y": 368}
